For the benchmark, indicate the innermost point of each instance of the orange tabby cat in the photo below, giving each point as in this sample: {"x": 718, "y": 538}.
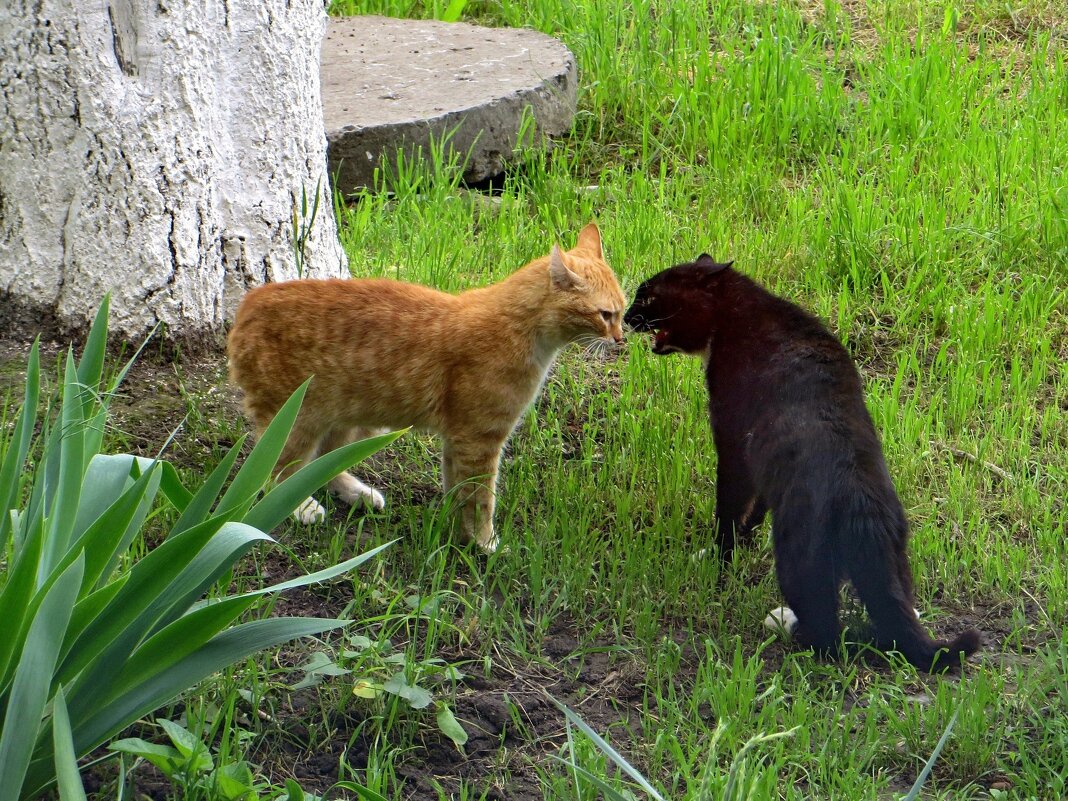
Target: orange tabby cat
{"x": 386, "y": 355}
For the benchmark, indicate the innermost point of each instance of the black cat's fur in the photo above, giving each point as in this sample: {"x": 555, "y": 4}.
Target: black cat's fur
{"x": 793, "y": 436}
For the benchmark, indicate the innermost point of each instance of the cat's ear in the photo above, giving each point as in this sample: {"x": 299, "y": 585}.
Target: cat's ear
{"x": 562, "y": 277}
{"x": 589, "y": 239}
{"x": 710, "y": 265}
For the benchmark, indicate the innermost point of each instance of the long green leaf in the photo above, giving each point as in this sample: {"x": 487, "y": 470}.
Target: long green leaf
{"x": 89, "y": 549}
{"x": 215, "y": 559}
{"x": 199, "y": 506}
{"x": 90, "y": 371}
{"x": 363, "y": 792}
{"x": 160, "y": 606}
{"x": 47, "y": 480}
{"x": 152, "y": 472}
{"x": 327, "y": 573}
{"x": 178, "y": 640}
{"x": 109, "y": 477}
{"x": 173, "y": 489}
{"x": 277, "y": 504}
{"x": 193, "y": 629}
{"x": 88, "y": 609}
{"x": 62, "y": 504}
{"x": 16, "y": 602}
{"x": 260, "y": 464}
{"x": 91, "y": 365}
{"x": 111, "y": 533}
{"x": 19, "y": 444}
{"x": 33, "y": 513}
{"x": 145, "y": 579}
{"x": 70, "y": 779}
{"x": 228, "y": 647}
{"x": 33, "y": 677}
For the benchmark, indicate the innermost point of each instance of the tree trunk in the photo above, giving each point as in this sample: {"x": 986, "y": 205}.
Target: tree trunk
{"x": 159, "y": 149}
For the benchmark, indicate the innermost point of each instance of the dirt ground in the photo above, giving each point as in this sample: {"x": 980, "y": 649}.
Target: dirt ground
{"x": 153, "y": 401}
{"x": 604, "y": 688}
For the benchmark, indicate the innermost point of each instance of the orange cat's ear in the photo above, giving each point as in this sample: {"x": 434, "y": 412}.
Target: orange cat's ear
{"x": 562, "y": 277}
{"x": 589, "y": 238}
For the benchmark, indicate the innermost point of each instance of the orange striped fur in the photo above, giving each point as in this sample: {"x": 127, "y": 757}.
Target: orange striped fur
{"x": 387, "y": 355}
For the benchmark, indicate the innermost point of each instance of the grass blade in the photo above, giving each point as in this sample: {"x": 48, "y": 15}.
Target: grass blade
{"x": 914, "y": 793}
{"x": 606, "y": 789}
{"x": 70, "y": 779}
{"x": 33, "y": 677}
{"x": 453, "y": 11}
{"x": 609, "y": 751}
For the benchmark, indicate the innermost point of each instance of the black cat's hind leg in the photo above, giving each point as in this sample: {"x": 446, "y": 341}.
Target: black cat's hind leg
{"x": 809, "y": 584}
{"x": 878, "y": 568}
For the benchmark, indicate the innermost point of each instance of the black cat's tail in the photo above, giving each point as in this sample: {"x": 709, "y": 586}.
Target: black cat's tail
{"x": 879, "y": 570}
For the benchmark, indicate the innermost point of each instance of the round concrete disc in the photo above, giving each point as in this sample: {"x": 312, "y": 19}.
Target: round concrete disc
{"x": 391, "y": 84}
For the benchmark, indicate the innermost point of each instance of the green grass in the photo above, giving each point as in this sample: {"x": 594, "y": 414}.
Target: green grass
{"x": 901, "y": 169}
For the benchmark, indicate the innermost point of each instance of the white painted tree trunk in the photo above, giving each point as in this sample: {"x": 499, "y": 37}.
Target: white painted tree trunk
{"x": 158, "y": 149}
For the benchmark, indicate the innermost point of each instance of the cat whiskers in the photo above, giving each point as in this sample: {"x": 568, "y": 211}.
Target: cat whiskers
{"x": 596, "y": 347}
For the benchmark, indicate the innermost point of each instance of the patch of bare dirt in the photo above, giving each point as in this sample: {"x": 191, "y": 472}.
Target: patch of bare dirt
{"x": 507, "y": 712}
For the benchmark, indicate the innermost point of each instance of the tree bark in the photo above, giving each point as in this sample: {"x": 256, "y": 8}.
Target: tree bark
{"x": 159, "y": 149}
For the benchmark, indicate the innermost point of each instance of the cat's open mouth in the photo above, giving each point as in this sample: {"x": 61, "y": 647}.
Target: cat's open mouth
{"x": 660, "y": 341}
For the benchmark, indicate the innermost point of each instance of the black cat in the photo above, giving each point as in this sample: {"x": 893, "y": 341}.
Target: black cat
{"x": 793, "y": 435}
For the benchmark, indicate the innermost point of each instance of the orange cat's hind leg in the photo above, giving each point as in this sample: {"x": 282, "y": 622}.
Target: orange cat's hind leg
{"x": 346, "y": 486}
{"x": 300, "y": 448}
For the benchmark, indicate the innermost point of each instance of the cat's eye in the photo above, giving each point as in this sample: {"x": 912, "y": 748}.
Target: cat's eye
{"x": 607, "y": 315}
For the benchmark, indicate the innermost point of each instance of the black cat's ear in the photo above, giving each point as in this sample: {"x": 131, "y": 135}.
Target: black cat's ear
{"x": 710, "y": 265}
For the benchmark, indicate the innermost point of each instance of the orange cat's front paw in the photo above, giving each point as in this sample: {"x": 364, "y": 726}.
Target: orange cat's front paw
{"x": 489, "y": 543}
{"x": 311, "y": 511}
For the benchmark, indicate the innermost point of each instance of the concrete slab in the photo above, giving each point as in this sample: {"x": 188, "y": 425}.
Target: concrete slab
{"x": 390, "y": 84}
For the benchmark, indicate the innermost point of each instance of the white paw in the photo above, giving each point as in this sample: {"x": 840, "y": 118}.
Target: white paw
{"x": 375, "y": 499}
{"x": 782, "y": 621}
{"x": 699, "y": 555}
{"x": 917, "y": 613}
{"x": 311, "y": 511}
{"x": 352, "y": 491}
{"x": 491, "y": 545}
